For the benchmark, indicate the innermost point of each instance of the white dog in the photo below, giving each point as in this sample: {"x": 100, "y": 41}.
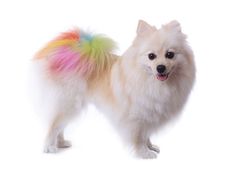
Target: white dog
{"x": 139, "y": 91}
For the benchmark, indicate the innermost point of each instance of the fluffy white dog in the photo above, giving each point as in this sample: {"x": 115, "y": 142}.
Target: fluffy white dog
{"x": 139, "y": 91}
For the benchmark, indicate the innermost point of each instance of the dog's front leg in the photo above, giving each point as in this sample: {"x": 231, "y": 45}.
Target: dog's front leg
{"x": 142, "y": 145}
{"x": 153, "y": 147}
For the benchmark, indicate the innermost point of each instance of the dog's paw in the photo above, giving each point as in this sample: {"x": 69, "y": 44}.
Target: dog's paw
{"x": 146, "y": 153}
{"x": 50, "y": 149}
{"x": 63, "y": 144}
{"x": 154, "y": 148}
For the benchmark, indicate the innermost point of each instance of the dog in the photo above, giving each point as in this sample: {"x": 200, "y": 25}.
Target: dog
{"x": 139, "y": 92}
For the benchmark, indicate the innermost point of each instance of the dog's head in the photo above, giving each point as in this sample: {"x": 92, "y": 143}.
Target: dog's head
{"x": 163, "y": 52}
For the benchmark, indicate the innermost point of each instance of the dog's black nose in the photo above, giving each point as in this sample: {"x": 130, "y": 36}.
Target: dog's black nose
{"x": 161, "y": 69}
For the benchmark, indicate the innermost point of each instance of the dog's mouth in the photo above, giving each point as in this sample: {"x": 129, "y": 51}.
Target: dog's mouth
{"x": 162, "y": 77}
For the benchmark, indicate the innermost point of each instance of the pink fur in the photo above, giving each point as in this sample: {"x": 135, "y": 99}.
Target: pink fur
{"x": 64, "y": 59}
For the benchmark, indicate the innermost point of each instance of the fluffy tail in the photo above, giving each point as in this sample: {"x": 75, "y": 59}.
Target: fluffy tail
{"x": 78, "y": 52}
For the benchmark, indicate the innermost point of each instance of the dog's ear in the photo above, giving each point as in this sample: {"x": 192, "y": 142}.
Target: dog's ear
{"x": 173, "y": 25}
{"x": 144, "y": 28}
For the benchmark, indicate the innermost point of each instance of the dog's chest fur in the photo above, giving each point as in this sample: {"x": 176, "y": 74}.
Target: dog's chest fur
{"x": 144, "y": 97}
{"x": 153, "y": 101}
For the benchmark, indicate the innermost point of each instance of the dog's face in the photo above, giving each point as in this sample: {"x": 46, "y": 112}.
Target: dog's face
{"x": 162, "y": 52}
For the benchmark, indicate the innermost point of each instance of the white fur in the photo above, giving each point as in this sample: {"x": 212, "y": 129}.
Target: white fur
{"x": 130, "y": 94}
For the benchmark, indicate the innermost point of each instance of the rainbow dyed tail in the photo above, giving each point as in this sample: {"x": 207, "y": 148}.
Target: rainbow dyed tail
{"x": 78, "y": 52}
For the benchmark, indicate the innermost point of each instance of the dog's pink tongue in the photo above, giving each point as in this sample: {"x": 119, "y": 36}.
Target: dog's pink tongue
{"x": 162, "y": 77}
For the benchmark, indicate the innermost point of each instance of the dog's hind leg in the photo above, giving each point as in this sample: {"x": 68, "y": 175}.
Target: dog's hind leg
{"x": 55, "y": 138}
{"x": 65, "y": 112}
{"x": 61, "y": 142}
{"x": 55, "y": 131}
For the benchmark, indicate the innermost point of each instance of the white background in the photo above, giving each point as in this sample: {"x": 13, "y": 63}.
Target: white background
{"x": 201, "y": 143}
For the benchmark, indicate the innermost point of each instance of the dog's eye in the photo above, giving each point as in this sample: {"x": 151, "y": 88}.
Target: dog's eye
{"x": 170, "y": 55}
{"x": 152, "y": 56}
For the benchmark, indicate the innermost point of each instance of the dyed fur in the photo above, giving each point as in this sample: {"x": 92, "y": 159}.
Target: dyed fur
{"x": 77, "y": 52}
{"x": 128, "y": 89}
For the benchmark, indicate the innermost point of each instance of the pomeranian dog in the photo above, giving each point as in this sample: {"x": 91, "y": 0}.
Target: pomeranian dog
{"x": 139, "y": 91}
